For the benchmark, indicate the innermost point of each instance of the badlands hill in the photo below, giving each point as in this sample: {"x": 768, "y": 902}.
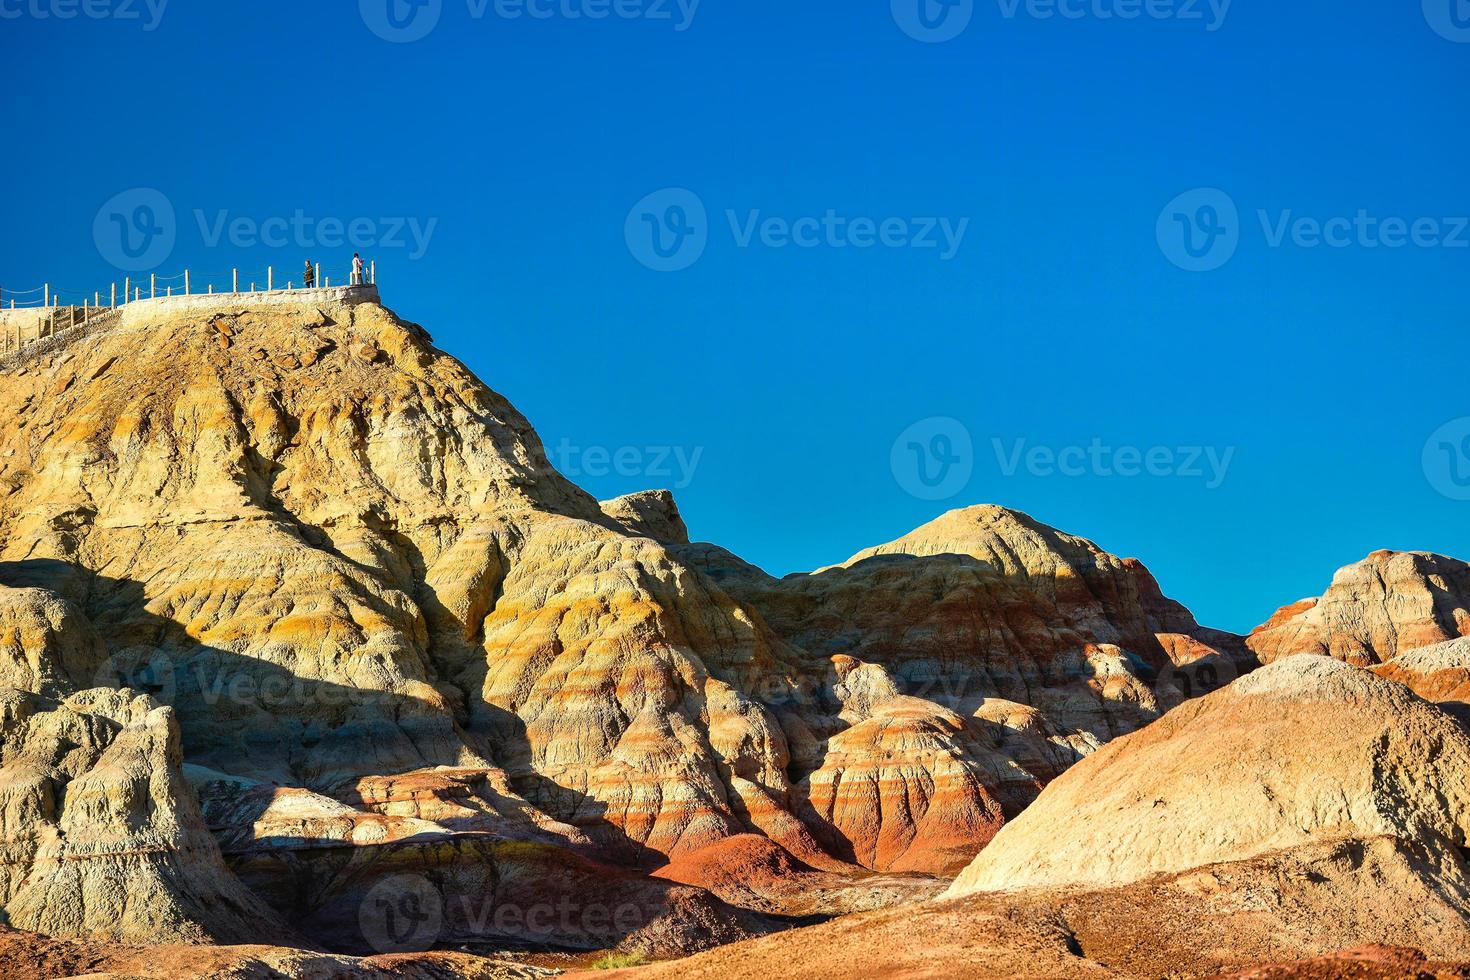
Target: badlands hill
{"x": 1308, "y": 810}
{"x": 1388, "y": 603}
{"x": 303, "y": 643}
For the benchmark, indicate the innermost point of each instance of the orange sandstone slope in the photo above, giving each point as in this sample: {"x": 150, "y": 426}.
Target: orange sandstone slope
{"x": 372, "y": 606}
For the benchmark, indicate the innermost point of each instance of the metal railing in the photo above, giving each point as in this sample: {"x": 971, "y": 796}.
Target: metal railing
{"x": 186, "y": 283}
{"x": 60, "y": 327}
{"x": 59, "y": 310}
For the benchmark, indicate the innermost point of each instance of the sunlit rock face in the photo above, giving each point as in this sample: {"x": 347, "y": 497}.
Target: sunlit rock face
{"x": 100, "y": 833}
{"x": 986, "y": 608}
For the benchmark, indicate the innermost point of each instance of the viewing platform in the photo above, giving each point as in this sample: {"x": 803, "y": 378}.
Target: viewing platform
{"x": 343, "y": 295}
{"x": 35, "y": 330}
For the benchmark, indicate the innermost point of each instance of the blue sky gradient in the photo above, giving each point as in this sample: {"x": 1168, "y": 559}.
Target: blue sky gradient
{"x": 768, "y": 384}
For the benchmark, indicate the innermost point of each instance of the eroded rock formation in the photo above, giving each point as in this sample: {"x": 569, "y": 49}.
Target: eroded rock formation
{"x": 396, "y": 642}
{"x": 1310, "y": 808}
{"x": 1388, "y": 603}
{"x": 1275, "y": 761}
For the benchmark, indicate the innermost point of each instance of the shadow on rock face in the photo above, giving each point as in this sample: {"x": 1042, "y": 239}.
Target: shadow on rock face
{"x": 255, "y": 728}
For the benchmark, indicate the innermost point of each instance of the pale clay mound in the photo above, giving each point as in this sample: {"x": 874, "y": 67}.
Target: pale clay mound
{"x": 1304, "y": 750}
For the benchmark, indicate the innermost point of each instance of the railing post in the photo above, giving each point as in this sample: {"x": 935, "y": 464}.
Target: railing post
{"x": 47, "y": 300}
{"x": 234, "y": 280}
{"x": 317, "y": 279}
{"x": 211, "y": 289}
{"x": 270, "y": 278}
{"x": 186, "y": 282}
{"x": 127, "y": 288}
{"x": 153, "y": 286}
{"x": 373, "y": 272}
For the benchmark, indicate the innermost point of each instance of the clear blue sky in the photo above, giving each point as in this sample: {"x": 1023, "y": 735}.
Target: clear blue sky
{"x": 791, "y": 371}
